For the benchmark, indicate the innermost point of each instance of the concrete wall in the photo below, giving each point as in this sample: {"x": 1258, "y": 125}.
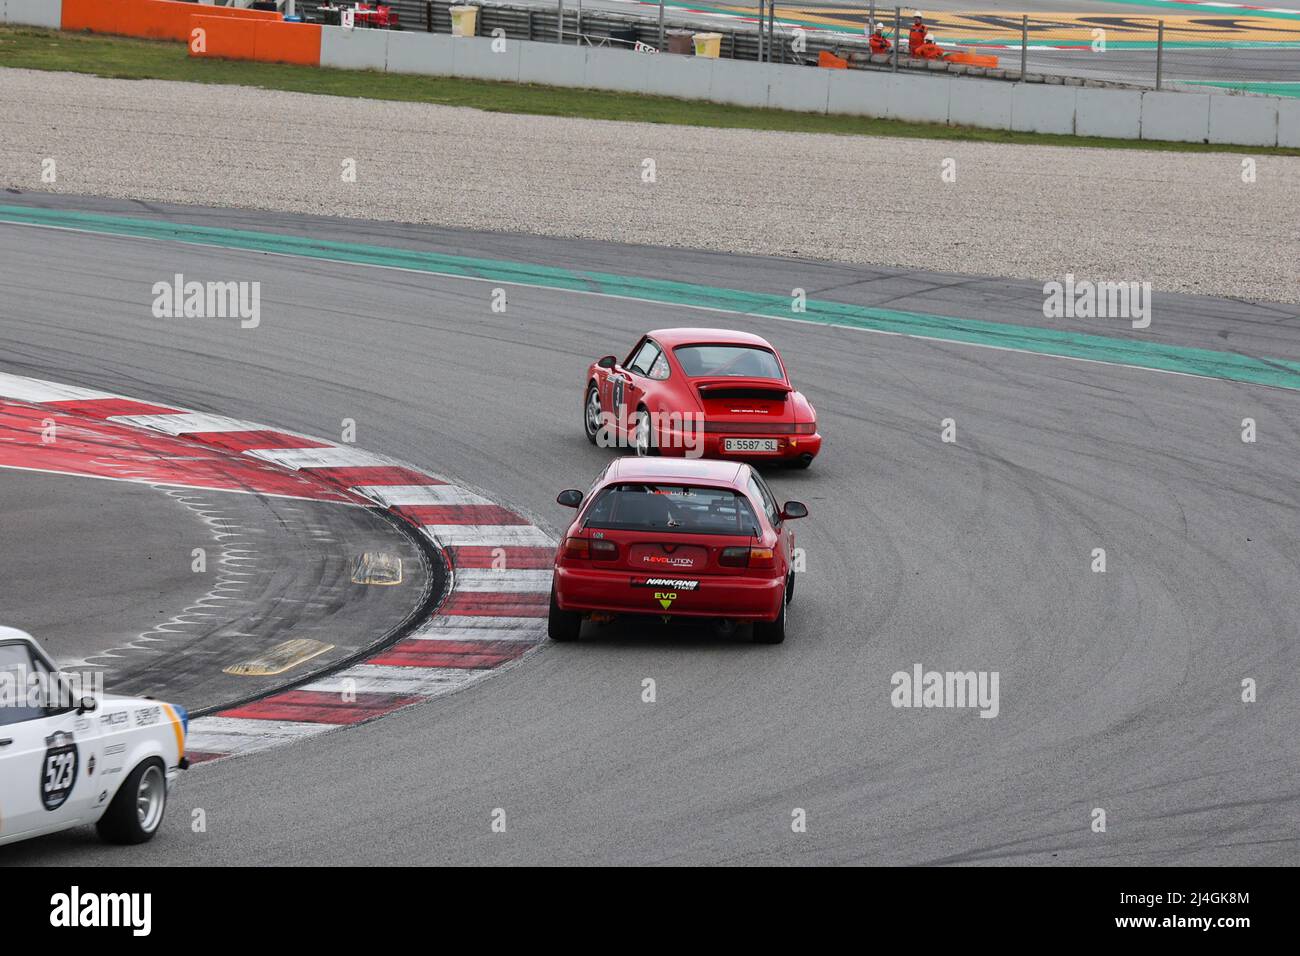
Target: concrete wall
{"x": 1288, "y": 123}
{"x": 35, "y": 13}
{"x": 1182, "y": 117}
{"x": 1044, "y": 109}
{"x": 1112, "y": 113}
{"x": 993, "y": 104}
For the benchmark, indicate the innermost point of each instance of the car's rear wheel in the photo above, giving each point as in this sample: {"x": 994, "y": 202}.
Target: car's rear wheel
{"x": 562, "y": 625}
{"x": 137, "y": 810}
{"x": 643, "y": 437}
{"x": 771, "y": 632}
{"x": 591, "y": 413}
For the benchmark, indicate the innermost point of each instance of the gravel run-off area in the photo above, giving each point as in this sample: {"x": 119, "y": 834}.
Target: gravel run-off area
{"x": 1184, "y": 222}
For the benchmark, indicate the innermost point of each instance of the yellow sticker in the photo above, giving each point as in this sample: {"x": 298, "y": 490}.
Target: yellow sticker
{"x": 666, "y": 598}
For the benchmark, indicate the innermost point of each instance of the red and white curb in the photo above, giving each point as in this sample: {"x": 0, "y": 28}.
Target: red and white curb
{"x": 498, "y": 565}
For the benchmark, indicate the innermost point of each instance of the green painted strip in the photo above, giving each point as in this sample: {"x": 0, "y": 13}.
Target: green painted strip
{"x": 1279, "y": 373}
{"x": 1271, "y": 87}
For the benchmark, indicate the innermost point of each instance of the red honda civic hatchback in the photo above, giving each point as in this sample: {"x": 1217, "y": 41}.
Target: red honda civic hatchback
{"x": 700, "y": 393}
{"x": 676, "y": 537}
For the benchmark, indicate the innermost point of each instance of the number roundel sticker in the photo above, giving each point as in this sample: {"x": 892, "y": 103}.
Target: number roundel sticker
{"x": 59, "y": 771}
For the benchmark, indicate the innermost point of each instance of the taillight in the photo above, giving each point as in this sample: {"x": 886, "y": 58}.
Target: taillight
{"x": 734, "y": 558}
{"x": 747, "y": 558}
{"x": 805, "y": 428}
{"x": 596, "y": 550}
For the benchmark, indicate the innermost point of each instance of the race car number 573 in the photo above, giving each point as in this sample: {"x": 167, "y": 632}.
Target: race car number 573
{"x": 60, "y": 770}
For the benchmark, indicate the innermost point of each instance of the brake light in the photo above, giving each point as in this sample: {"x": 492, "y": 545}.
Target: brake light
{"x": 734, "y": 558}
{"x": 805, "y": 428}
{"x": 586, "y": 548}
{"x": 747, "y": 558}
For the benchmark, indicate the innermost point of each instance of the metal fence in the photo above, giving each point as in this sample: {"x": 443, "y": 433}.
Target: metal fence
{"x": 1258, "y": 52}
{"x": 1254, "y": 49}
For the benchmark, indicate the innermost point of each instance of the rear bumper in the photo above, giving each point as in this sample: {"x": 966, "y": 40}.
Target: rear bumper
{"x": 789, "y": 447}
{"x": 586, "y": 590}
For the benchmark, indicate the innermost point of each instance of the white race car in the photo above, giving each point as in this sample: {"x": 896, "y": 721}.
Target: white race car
{"x": 68, "y": 759}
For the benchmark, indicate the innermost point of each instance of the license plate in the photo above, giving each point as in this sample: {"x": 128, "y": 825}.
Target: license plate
{"x": 749, "y": 444}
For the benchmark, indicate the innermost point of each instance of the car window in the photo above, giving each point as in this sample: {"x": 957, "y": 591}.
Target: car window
{"x": 636, "y": 350}
{"x": 741, "y": 361}
{"x": 759, "y": 491}
{"x": 19, "y": 684}
{"x": 645, "y": 358}
{"x": 659, "y": 370}
{"x": 678, "y": 509}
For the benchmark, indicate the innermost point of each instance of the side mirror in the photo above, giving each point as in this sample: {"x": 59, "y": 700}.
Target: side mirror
{"x": 607, "y": 362}
{"x": 794, "y": 509}
{"x": 87, "y": 705}
{"x": 570, "y": 499}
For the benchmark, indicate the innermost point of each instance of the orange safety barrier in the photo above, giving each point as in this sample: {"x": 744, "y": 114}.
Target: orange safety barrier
{"x": 150, "y": 19}
{"x": 973, "y": 59}
{"x": 288, "y": 43}
{"x": 831, "y": 61}
{"x": 101, "y": 16}
{"x": 224, "y": 37}
{"x": 267, "y": 41}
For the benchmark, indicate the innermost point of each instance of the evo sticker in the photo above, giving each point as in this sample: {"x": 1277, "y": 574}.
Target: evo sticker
{"x": 666, "y": 598}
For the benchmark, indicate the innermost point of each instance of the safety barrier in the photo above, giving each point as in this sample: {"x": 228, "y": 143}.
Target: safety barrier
{"x": 958, "y": 101}
{"x": 270, "y": 41}
{"x": 148, "y": 19}
{"x": 36, "y": 13}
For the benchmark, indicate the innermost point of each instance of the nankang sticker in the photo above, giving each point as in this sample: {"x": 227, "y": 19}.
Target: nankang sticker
{"x": 59, "y": 770}
{"x": 116, "y": 719}
{"x": 147, "y": 716}
{"x": 675, "y": 583}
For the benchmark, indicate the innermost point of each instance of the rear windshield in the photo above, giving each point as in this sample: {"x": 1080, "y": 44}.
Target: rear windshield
{"x": 678, "y": 509}
{"x": 743, "y": 361}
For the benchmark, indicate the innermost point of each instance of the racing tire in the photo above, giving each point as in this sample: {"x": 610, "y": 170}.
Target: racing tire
{"x": 789, "y": 589}
{"x": 136, "y": 812}
{"x": 562, "y": 625}
{"x": 592, "y": 399}
{"x": 771, "y": 632}
{"x": 648, "y": 450}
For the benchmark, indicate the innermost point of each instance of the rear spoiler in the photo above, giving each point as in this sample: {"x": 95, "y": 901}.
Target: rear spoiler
{"x": 757, "y": 384}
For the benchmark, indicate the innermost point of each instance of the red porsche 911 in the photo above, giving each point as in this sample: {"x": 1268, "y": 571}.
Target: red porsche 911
{"x": 676, "y": 538}
{"x": 700, "y": 393}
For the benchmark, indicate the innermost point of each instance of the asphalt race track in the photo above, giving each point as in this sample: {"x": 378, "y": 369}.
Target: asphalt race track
{"x": 1119, "y": 690}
